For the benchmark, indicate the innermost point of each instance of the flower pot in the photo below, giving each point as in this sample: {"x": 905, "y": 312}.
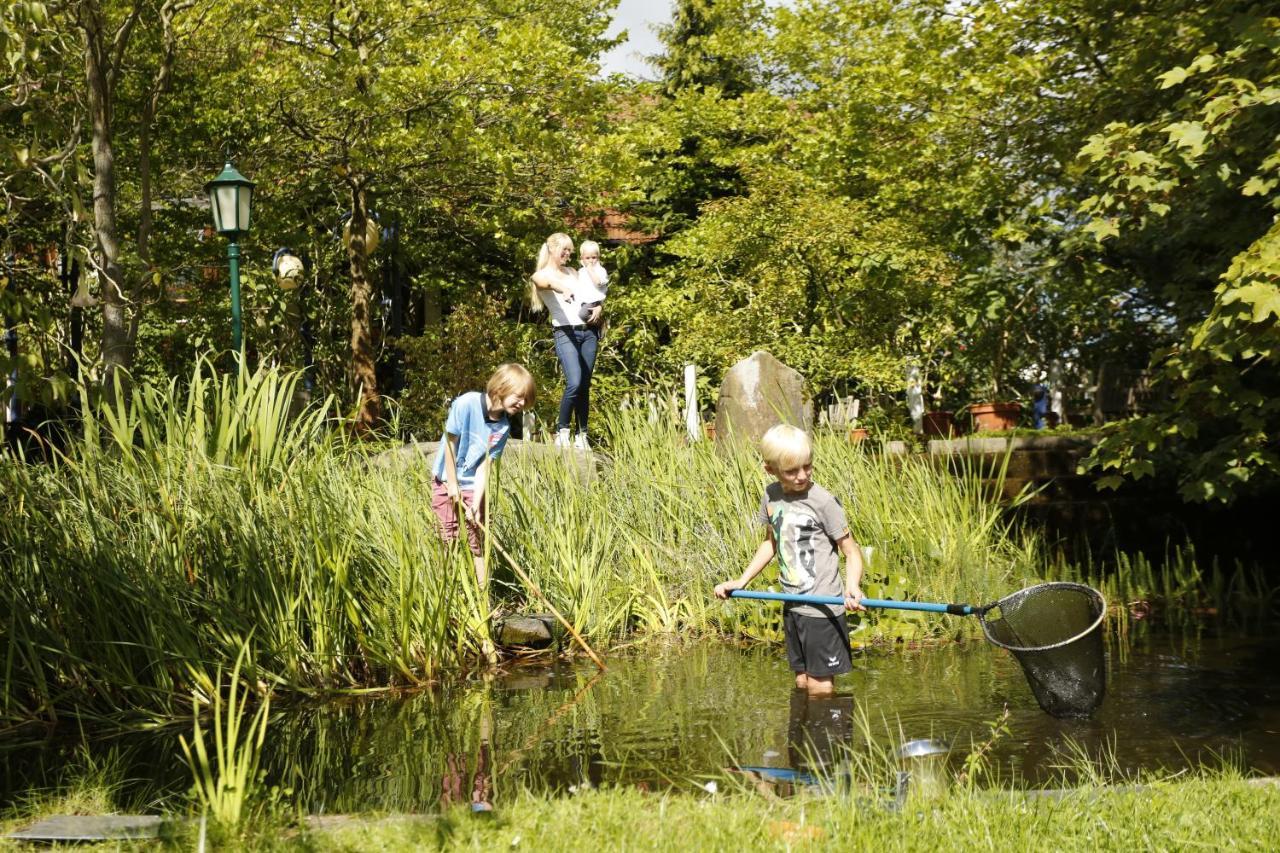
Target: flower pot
{"x": 939, "y": 424}
{"x": 857, "y": 434}
{"x": 994, "y": 416}
{"x": 710, "y": 429}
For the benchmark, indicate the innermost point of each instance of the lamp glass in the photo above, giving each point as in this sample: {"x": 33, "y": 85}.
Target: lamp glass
{"x": 244, "y": 195}
{"x": 230, "y": 197}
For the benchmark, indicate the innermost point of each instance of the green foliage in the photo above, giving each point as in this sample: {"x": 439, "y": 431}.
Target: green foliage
{"x": 857, "y": 186}
{"x": 1234, "y": 812}
{"x": 441, "y": 364}
{"x": 1218, "y": 426}
{"x": 704, "y": 48}
{"x": 817, "y": 279}
{"x": 194, "y": 517}
{"x": 226, "y": 777}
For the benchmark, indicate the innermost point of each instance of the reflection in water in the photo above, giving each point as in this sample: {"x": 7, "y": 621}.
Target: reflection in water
{"x": 684, "y": 713}
{"x": 458, "y": 769}
{"x": 819, "y": 732}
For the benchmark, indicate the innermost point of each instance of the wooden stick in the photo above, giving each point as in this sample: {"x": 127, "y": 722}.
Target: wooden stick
{"x": 528, "y": 581}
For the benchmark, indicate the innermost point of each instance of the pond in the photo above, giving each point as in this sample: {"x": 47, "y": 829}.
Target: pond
{"x": 681, "y": 714}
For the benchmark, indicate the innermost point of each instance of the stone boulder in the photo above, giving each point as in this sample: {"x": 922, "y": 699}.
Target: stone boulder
{"x": 760, "y": 392}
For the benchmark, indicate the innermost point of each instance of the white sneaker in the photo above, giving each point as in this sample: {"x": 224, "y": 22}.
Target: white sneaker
{"x": 562, "y": 438}
{"x": 580, "y": 442}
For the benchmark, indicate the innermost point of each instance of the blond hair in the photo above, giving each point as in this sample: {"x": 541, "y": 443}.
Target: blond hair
{"x": 785, "y": 446}
{"x": 512, "y": 378}
{"x": 588, "y": 246}
{"x": 546, "y": 258}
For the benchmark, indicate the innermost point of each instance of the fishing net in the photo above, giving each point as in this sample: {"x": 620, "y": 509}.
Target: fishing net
{"x": 1055, "y": 632}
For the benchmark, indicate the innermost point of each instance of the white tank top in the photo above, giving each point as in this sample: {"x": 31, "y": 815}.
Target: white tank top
{"x": 563, "y": 313}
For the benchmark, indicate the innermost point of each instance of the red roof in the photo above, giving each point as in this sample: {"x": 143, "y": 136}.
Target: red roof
{"x": 614, "y": 227}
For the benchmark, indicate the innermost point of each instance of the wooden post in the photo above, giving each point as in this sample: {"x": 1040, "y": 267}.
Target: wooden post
{"x": 692, "y": 420}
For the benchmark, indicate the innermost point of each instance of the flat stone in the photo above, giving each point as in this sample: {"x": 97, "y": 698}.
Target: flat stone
{"x": 529, "y": 631}
{"x": 999, "y": 444}
{"x": 91, "y": 828}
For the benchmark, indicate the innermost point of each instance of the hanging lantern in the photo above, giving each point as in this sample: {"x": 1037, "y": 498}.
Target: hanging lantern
{"x": 288, "y": 269}
{"x": 372, "y": 234}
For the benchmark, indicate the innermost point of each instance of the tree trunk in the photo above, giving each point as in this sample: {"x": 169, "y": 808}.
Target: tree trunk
{"x": 117, "y": 349}
{"x": 364, "y": 376}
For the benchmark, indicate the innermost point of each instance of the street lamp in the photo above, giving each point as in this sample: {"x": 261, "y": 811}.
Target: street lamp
{"x": 230, "y": 195}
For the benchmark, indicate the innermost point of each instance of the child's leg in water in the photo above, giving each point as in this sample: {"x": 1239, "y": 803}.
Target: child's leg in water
{"x": 816, "y": 685}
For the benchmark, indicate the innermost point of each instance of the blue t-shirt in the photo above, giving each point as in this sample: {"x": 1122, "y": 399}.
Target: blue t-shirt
{"x": 477, "y": 435}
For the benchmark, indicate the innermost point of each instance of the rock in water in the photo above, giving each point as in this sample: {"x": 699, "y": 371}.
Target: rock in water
{"x": 524, "y": 631}
{"x": 757, "y": 393}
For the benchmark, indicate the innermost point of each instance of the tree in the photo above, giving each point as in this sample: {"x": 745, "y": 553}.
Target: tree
{"x": 703, "y": 48}
{"x": 855, "y": 197}
{"x": 1216, "y": 146}
{"x": 440, "y": 109}
{"x": 110, "y": 34}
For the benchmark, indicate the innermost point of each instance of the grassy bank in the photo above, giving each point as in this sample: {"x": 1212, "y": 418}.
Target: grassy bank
{"x": 1210, "y": 810}
{"x": 1227, "y": 814}
{"x": 200, "y": 520}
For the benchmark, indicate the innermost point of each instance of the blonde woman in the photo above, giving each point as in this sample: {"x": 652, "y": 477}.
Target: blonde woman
{"x": 554, "y": 288}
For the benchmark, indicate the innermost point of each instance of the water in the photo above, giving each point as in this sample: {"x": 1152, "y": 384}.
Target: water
{"x": 682, "y": 714}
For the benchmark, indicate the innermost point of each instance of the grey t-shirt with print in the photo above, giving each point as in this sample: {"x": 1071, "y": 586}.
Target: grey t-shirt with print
{"x": 806, "y": 528}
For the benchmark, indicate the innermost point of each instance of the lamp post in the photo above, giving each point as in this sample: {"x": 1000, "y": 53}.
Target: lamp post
{"x": 230, "y": 195}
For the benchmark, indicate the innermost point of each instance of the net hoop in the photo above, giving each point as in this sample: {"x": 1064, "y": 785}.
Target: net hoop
{"x": 1022, "y": 593}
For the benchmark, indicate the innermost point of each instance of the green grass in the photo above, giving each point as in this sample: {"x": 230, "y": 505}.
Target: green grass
{"x": 1220, "y": 813}
{"x": 1214, "y": 810}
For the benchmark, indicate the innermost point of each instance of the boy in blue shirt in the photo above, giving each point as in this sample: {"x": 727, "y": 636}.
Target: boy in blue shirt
{"x": 805, "y": 526}
{"x": 475, "y": 433}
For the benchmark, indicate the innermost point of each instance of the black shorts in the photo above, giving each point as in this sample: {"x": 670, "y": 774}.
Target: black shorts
{"x": 817, "y": 645}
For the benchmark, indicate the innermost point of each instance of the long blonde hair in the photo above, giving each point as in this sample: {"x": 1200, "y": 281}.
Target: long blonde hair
{"x": 546, "y": 258}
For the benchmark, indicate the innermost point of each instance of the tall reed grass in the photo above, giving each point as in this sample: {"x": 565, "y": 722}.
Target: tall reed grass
{"x": 135, "y": 565}
{"x": 196, "y": 514}
{"x": 642, "y": 543}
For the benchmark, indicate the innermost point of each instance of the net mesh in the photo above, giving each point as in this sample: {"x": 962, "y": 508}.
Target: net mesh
{"x": 1055, "y": 632}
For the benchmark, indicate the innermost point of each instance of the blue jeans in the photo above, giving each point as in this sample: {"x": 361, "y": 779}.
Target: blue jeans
{"x": 576, "y": 349}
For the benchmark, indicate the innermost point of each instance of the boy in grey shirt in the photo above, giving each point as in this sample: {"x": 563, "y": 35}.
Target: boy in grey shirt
{"x": 805, "y": 527}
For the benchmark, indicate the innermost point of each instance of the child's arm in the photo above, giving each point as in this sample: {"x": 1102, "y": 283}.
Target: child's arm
{"x": 451, "y": 465}
{"x": 768, "y": 548}
{"x": 599, "y": 275}
{"x": 481, "y": 485}
{"x": 852, "y": 573}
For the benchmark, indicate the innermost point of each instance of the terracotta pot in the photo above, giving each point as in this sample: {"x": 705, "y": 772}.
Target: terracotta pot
{"x": 857, "y": 434}
{"x": 994, "y": 416}
{"x": 710, "y": 430}
{"x": 939, "y": 424}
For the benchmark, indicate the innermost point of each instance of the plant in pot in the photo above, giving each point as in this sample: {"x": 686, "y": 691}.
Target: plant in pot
{"x": 926, "y": 375}
{"x": 938, "y": 420}
{"x": 858, "y": 431}
{"x": 999, "y": 319}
